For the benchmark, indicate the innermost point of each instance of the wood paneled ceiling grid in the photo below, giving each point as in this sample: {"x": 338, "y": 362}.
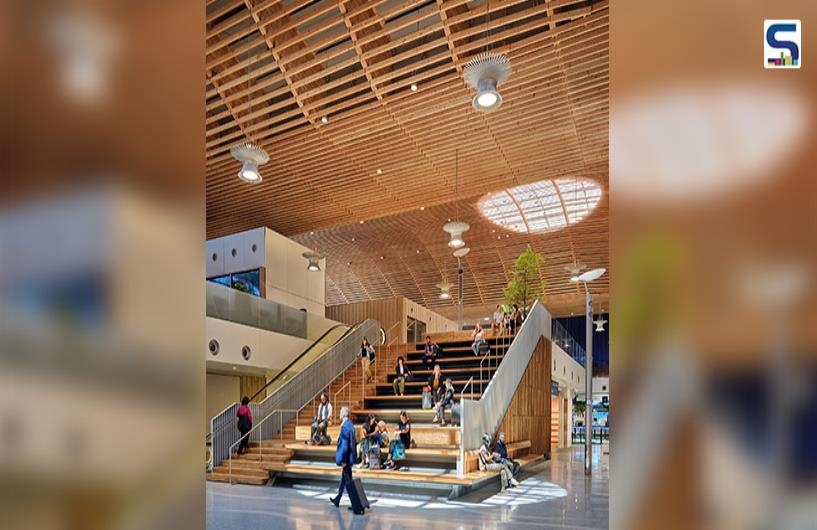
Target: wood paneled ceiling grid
{"x": 353, "y": 61}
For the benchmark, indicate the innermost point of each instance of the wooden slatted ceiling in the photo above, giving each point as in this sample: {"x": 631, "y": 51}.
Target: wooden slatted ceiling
{"x": 275, "y": 68}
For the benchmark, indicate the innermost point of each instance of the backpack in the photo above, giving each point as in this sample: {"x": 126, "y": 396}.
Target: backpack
{"x": 398, "y": 450}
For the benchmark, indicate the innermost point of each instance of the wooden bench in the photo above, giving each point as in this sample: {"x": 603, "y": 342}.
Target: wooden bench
{"x": 516, "y": 451}
{"x": 392, "y": 415}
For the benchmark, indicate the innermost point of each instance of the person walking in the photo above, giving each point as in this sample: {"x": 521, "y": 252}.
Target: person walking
{"x": 244, "y": 424}
{"x": 345, "y": 458}
{"x": 366, "y": 359}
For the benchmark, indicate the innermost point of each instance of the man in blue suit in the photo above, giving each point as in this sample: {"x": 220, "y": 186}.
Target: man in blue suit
{"x": 345, "y": 457}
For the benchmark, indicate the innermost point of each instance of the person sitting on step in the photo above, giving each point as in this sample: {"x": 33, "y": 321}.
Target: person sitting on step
{"x": 401, "y": 374}
{"x": 487, "y": 463}
{"x": 479, "y": 338}
{"x": 497, "y": 321}
{"x": 378, "y": 442}
{"x": 445, "y": 401}
{"x": 430, "y": 353}
{"x": 401, "y": 442}
{"x": 501, "y": 456}
{"x": 369, "y": 429}
{"x": 435, "y": 380}
{"x": 320, "y": 422}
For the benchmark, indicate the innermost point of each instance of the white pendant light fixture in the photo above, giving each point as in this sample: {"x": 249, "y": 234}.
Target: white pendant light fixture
{"x": 445, "y": 290}
{"x": 314, "y": 260}
{"x": 456, "y": 228}
{"x": 600, "y": 322}
{"x": 484, "y": 73}
{"x": 250, "y": 154}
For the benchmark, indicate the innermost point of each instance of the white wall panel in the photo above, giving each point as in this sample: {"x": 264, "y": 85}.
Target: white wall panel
{"x": 270, "y": 350}
{"x": 215, "y": 268}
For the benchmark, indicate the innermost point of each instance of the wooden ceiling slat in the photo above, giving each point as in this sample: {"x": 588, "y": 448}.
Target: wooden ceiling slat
{"x": 301, "y": 61}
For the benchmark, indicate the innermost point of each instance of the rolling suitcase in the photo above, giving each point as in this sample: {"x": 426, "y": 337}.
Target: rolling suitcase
{"x": 358, "y": 496}
{"x": 427, "y": 402}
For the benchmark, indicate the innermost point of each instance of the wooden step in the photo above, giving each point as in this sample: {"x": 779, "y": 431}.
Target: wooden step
{"x": 422, "y": 436}
{"x": 457, "y": 361}
{"x": 418, "y": 454}
{"x": 238, "y": 478}
{"x": 417, "y": 386}
{"x": 392, "y": 415}
{"x": 402, "y": 478}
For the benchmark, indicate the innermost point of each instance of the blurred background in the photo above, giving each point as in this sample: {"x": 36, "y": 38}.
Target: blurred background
{"x": 101, "y": 233}
{"x": 713, "y": 258}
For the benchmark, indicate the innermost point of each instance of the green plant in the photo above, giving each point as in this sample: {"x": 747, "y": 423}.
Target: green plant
{"x": 526, "y": 284}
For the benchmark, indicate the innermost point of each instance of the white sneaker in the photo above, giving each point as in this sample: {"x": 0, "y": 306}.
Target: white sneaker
{"x": 514, "y": 482}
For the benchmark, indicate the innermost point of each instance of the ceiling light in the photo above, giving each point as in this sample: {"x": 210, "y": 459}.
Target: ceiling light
{"x": 382, "y": 257}
{"x": 353, "y": 239}
{"x": 362, "y": 221}
{"x": 445, "y": 290}
{"x": 314, "y": 260}
{"x": 461, "y": 252}
{"x": 574, "y": 269}
{"x": 348, "y": 262}
{"x": 599, "y": 324}
{"x": 251, "y": 156}
{"x": 422, "y": 208}
{"x": 414, "y": 87}
{"x": 484, "y": 73}
{"x": 574, "y": 279}
{"x": 456, "y": 230}
{"x": 324, "y": 119}
{"x": 418, "y": 251}
{"x": 379, "y": 171}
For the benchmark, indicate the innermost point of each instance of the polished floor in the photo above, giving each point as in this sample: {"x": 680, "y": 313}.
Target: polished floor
{"x": 555, "y": 494}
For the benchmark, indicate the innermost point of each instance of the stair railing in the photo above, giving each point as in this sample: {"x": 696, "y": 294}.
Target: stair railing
{"x": 260, "y": 447}
{"x": 297, "y": 392}
{"x": 484, "y": 415}
{"x": 336, "y": 404}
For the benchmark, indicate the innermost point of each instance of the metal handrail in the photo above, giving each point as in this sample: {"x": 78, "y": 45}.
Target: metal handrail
{"x": 485, "y": 356}
{"x": 300, "y": 356}
{"x": 340, "y": 390}
{"x": 254, "y": 427}
{"x": 389, "y": 342}
{"x": 462, "y": 393}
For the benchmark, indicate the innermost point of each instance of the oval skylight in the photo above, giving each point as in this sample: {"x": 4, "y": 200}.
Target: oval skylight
{"x": 542, "y": 206}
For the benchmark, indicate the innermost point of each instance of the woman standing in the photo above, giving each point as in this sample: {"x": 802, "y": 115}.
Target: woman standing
{"x": 366, "y": 359}
{"x": 402, "y": 373}
{"x": 244, "y": 424}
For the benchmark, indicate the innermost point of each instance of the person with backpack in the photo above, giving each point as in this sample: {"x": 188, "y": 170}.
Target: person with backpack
{"x": 487, "y": 463}
{"x": 244, "y": 424}
{"x": 400, "y": 442}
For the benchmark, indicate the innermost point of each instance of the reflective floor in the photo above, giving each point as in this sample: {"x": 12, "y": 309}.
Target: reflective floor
{"x": 555, "y": 494}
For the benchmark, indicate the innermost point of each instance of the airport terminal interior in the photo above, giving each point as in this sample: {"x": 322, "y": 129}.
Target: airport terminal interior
{"x": 407, "y": 241}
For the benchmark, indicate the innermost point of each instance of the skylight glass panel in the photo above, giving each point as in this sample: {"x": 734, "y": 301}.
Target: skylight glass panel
{"x": 542, "y": 206}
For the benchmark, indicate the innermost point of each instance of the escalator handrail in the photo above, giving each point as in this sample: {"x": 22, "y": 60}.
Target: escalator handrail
{"x": 298, "y": 358}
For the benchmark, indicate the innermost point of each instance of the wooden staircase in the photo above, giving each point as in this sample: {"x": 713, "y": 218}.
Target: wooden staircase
{"x": 431, "y": 464}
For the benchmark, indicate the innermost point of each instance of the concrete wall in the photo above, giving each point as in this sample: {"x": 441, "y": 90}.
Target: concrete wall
{"x": 270, "y": 350}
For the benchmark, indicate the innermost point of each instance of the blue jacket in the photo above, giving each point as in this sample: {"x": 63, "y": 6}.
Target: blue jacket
{"x": 347, "y": 446}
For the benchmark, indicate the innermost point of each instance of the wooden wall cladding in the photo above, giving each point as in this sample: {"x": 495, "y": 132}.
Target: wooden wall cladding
{"x": 392, "y": 313}
{"x": 528, "y": 417}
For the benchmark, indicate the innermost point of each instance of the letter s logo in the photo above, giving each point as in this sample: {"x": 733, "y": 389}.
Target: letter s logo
{"x": 775, "y": 48}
